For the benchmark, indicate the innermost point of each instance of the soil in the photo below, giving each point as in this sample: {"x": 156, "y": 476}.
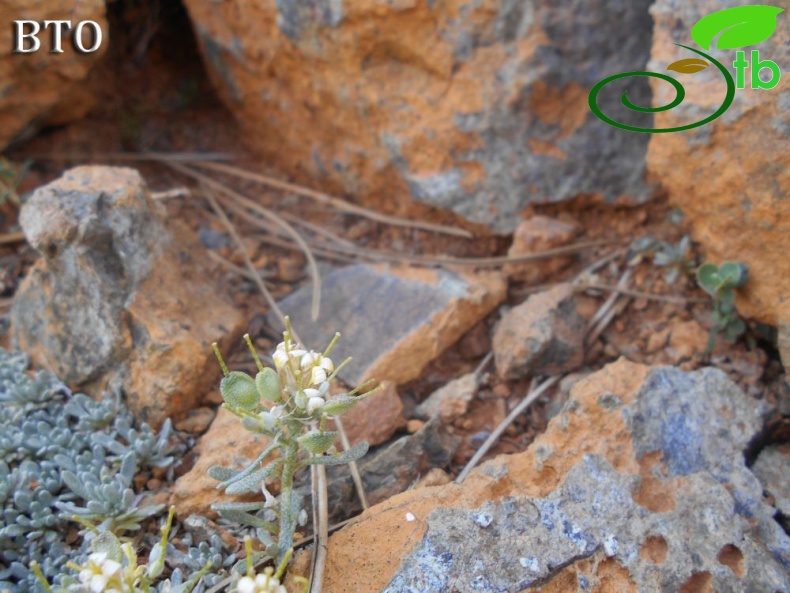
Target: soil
{"x": 155, "y": 98}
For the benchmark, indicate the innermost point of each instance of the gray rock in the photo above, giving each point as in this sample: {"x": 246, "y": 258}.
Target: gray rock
{"x": 772, "y": 468}
{"x": 449, "y": 401}
{"x": 394, "y": 321}
{"x": 712, "y": 532}
{"x": 545, "y": 333}
{"x": 478, "y": 108}
{"x": 119, "y": 299}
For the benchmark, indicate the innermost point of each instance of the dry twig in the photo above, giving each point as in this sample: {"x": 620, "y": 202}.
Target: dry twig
{"x": 533, "y": 394}
{"x": 9, "y": 238}
{"x": 265, "y": 212}
{"x": 333, "y": 201}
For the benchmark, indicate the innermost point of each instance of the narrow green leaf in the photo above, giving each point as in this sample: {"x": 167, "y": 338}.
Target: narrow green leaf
{"x": 250, "y": 468}
{"x": 238, "y": 506}
{"x": 220, "y": 473}
{"x": 739, "y": 27}
{"x": 252, "y": 482}
{"x": 248, "y": 519}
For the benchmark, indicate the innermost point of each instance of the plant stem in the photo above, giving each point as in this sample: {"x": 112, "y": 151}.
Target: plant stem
{"x": 288, "y": 514}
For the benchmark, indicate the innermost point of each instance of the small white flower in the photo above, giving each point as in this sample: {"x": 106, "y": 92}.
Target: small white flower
{"x": 317, "y": 376}
{"x": 310, "y": 392}
{"x": 327, "y": 364}
{"x": 314, "y": 403}
{"x": 280, "y": 358}
{"x": 97, "y": 583}
{"x": 110, "y": 567}
{"x": 101, "y": 574}
{"x": 262, "y": 583}
{"x": 245, "y": 585}
{"x": 308, "y": 360}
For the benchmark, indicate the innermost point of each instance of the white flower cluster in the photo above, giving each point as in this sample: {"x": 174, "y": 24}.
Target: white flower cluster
{"x": 102, "y": 575}
{"x": 304, "y": 375}
{"x": 261, "y": 583}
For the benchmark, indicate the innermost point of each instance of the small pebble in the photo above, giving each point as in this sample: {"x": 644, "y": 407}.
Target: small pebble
{"x": 410, "y": 517}
{"x": 479, "y": 438}
{"x": 483, "y": 519}
{"x": 413, "y": 426}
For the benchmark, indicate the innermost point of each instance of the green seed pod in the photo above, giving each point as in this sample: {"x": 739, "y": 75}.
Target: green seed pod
{"x": 339, "y": 404}
{"x": 268, "y": 384}
{"x": 318, "y": 442}
{"x": 239, "y": 391}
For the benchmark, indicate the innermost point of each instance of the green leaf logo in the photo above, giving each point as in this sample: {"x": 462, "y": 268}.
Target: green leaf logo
{"x": 739, "y": 26}
{"x": 688, "y": 65}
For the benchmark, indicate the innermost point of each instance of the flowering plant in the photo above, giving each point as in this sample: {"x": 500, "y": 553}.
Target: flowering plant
{"x": 291, "y": 405}
{"x": 112, "y": 568}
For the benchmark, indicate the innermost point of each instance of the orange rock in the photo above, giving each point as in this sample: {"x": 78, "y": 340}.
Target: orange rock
{"x": 480, "y": 108}
{"x": 226, "y": 444}
{"x": 376, "y": 418}
{"x": 120, "y": 297}
{"x": 731, "y": 177}
{"x": 42, "y": 85}
{"x": 634, "y": 452}
{"x": 543, "y": 334}
{"x": 196, "y": 421}
{"x": 539, "y": 233}
{"x": 686, "y": 340}
{"x": 394, "y": 319}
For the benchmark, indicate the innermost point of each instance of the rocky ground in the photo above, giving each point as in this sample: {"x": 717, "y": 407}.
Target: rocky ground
{"x": 651, "y": 460}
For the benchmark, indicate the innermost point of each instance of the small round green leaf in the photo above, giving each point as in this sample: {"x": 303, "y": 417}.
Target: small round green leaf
{"x": 734, "y": 274}
{"x": 708, "y": 278}
{"x": 239, "y": 391}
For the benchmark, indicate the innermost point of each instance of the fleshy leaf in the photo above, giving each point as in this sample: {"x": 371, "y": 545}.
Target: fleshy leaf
{"x": 734, "y": 274}
{"x": 688, "y": 65}
{"x": 708, "y": 278}
{"x": 739, "y": 27}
